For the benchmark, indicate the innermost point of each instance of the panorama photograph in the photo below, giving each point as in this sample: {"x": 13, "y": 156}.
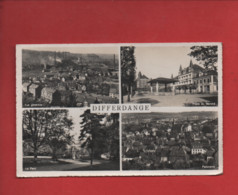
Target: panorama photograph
{"x": 170, "y": 75}
{"x": 69, "y": 76}
{"x": 69, "y": 140}
{"x": 170, "y": 141}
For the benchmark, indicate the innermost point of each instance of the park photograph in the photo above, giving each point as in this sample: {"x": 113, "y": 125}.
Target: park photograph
{"x": 170, "y": 75}
{"x": 69, "y": 140}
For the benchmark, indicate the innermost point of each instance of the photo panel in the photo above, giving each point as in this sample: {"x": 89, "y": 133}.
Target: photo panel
{"x": 151, "y": 109}
{"x": 171, "y": 141}
{"x": 171, "y": 75}
{"x": 68, "y": 76}
{"x": 68, "y": 140}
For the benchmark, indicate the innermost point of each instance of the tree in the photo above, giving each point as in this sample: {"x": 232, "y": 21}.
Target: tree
{"x": 128, "y": 65}
{"x": 207, "y": 129}
{"x": 205, "y": 54}
{"x": 40, "y": 127}
{"x": 112, "y": 136}
{"x": 91, "y": 135}
{"x": 59, "y": 136}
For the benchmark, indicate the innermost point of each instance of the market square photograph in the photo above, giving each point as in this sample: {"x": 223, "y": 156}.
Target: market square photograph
{"x": 166, "y": 76}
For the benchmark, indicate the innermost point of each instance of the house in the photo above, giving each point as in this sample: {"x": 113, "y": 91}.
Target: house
{"x": 127, "y": 159}
{"x": 62, "y": 86}
{"x": 35, "y": 90}
{"x": 164, "y": 156}
{"x": 209, "y": 135}
{"x": 197, "y": 148}
{"x": 210, "y": 154}
{"x": 196, "y": 79}
{"x": 142, "y": 81}
{"x": 114, "y": 93}
{"x": 65, "y": 97}
{"x": 25, "y": 86}
{"x": 115, "y": 73}
{"x": 81, "y": 78}
{"x": 47, "y": 93}
{"x": 178, "y": 153}
{"x": 72, "y": 86}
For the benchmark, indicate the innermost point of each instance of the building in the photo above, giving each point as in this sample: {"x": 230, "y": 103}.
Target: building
{"x": 114, "y": 92}
{"x": 206, "y": 82}
{"x": 191, "y": 79}
{"x": 178, "y": 153}
{"x": 62, "y": 97}
{"x": 35, "y": 90}
{"x": 197, "y": 148}
{"x": 47, "y": 93}
{"x": 142, "y": 81}
{"x": 162, "y": 86}
{"x": 25, "y": 86}
{"x": 195, "y": 79}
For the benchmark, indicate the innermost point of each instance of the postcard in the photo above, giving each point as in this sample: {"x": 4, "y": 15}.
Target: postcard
{"x": 137, "y": 109}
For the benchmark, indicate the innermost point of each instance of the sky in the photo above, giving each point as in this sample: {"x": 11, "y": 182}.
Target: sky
{"x": 79, "y": 49}
{"x": 162, "y": 61}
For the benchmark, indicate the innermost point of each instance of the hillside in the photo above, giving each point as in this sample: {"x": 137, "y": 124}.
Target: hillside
{"x": 37, "y": 58}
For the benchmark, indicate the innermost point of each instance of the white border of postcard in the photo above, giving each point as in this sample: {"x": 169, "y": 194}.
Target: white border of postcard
{"x": 19, "y": 109}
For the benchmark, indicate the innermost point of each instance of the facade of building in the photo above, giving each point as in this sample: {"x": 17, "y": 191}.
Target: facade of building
{"x": 197, "y": 148}
{"x": 206, "y": 82}
{"x": 192, "y": 79}
{"x": 35, "y": 90}
{"x": 142, "y": 81}
{"x": 195, "y": 79}
{"x": 47, "y": 93}
{"x": 25, "y": 86}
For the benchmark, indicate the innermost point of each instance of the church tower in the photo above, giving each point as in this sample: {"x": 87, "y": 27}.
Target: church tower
{"x": 180, "y": 69}
{"x": 191, "y": 64}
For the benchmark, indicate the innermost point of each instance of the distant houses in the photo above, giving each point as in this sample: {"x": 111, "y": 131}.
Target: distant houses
{"x": 114, "y": 93}
{"x": 68, "y": 93}
{"x": 169, "y": 145}
{"x": 48, "y": 94}
{"x": 142, "y": 81}
{"x": 25, "y": 87}
{"x": 70, "y": 81}
{"x": 35, "y": 90}
{"x": 32, "y": 88}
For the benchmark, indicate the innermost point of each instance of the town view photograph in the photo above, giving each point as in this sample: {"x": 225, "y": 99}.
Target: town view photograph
{"x": 170, "y": 75}
{"x": 170, "y": 141}
{"x": 69, "y": 77}
{"x": 69, "y": 140}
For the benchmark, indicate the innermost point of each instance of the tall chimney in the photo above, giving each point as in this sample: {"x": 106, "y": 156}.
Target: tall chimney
{"x": 114, "y": 61}
{"x": 55, "y": 58}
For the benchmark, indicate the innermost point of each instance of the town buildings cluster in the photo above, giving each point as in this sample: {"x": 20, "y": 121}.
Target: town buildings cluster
{"x": 191, "y": 79}
{"x": 70, "y": 83}
{"x": 150, "y": 143}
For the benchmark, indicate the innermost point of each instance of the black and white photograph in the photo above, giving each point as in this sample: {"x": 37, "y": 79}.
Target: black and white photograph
{"x": 141, "y": 109}
{"x": 172, "y": 75}
{"x": 69, "y": 140}
{"x": 69, "y": 76}
{"x": 170, "y": 141}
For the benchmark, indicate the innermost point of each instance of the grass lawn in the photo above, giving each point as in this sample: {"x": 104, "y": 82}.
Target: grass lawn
{"x": 109, "y": 165}
{"x": 47, "y": 164}
{"x": 30, "y": 165}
